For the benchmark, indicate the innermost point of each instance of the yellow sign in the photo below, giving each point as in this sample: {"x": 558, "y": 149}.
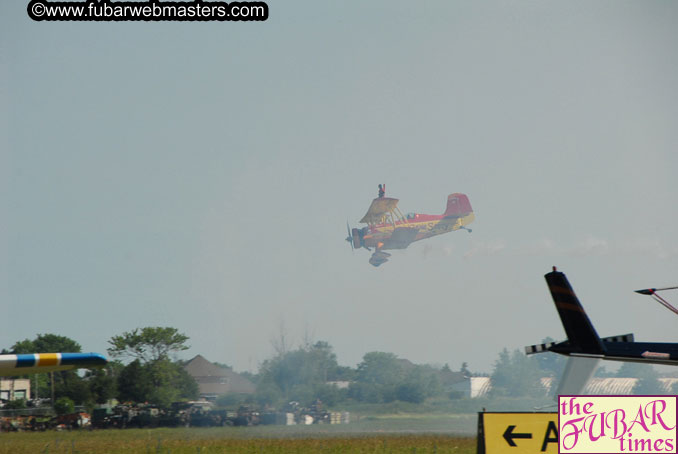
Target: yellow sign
{"x": 517, "y": 433}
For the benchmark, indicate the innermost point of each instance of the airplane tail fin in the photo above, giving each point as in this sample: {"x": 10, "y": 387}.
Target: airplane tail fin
{"x": 458, "y": 206}
{"x": 580, "y": 331}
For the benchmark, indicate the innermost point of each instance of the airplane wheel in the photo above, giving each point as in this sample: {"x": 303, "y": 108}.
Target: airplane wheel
{"x": 469, "y": 230}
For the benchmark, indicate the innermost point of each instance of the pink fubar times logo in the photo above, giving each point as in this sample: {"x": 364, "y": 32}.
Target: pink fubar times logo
{"x": 617, "y": 424}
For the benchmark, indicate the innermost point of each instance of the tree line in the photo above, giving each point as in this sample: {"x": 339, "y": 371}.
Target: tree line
{"x": 143, "y": 369}
{"x": 515, "y": 374}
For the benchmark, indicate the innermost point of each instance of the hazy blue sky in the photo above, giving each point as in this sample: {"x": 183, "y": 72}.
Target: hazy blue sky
{"x": 200, "y": 175}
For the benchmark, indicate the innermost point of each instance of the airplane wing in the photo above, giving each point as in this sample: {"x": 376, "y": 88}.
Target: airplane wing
{"x": 401, "y": 238}
{"x": 379, "y": 207}
{"x": 379, "y": 257}
{"x": 47, "y": 362}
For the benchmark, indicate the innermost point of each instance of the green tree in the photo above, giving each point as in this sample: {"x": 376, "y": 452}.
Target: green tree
{"x": 63, "y": 406}
{"x": 380, "y": 368}
{"x": 47, "y": 343}
{"x": 148, "y": 344}
{"x": 232, "y": 400}
{"x": 152, "y": 376}
{"x": 648, "y": 378}
{"x": 372, "y": 392}
{"x": 602, "y": 371}
{"x": 383, "y": 377}
{"x": 502, "y": 374}
{"x": 632, "y": 370}
{"x": 103, "y": 382}
{"x": 649, "y": 384}
{"x": 430, "y": 377}
{"x": 268, "y": 393}
{"x": 411, "y": 391}
{"x": 298, "y": 374}
{"x": 16, "y": 404}
{"x": 134, "y": 383}
{"x": 185, "y": 386}
{"x": 66, "y": 383}
{"x": 516, "y": 375}
{"x": 330, "y": 395}
{"x": 343, "y": 373}
{"x": 160, "y": 382}
{"x": 551, "y": 364}
{"x": 72, "y": 386}
{"x": 254, "y": 378}
{"x": 324, "y": 360}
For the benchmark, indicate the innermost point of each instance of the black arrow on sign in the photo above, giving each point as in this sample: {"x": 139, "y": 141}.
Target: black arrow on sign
{"x": 509, "y": 435}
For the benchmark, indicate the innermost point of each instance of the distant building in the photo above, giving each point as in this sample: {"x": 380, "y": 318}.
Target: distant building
{"x": 472, "y": 386}
{"x": 214, "y": 381}
{"x": 668, "y": 384}
{"x": 341, "y": 384}
{"x": 15, "y": 388}
{"x": 610, "y": 385}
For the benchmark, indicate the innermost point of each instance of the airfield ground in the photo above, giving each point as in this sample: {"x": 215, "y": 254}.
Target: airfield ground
{"x": 383, "y": 434}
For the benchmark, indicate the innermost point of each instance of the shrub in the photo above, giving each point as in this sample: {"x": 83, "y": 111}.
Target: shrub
{"x": 64, "y": 406}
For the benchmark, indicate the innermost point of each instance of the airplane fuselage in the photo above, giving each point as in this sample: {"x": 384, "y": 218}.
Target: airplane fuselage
{"x": 388, "y": 228}
{"x": 421, "y": 226}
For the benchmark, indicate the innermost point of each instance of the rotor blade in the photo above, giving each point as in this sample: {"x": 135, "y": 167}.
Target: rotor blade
{"x": 652, "y": 291}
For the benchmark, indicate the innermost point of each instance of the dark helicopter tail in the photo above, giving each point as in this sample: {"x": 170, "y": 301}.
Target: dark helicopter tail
{"x": 581, "y": 334}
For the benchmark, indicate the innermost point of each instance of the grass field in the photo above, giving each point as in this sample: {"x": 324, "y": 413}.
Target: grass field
{"x": 387, "y": 434}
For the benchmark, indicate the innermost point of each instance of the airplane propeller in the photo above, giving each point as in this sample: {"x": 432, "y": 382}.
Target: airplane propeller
{"x": 349, "y": 238}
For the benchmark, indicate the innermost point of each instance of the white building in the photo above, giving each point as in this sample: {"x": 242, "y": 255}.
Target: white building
{"x": 15, "y": 388}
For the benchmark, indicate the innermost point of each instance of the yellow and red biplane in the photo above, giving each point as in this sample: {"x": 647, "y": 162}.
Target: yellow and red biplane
{"x": 388, "y": 228}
